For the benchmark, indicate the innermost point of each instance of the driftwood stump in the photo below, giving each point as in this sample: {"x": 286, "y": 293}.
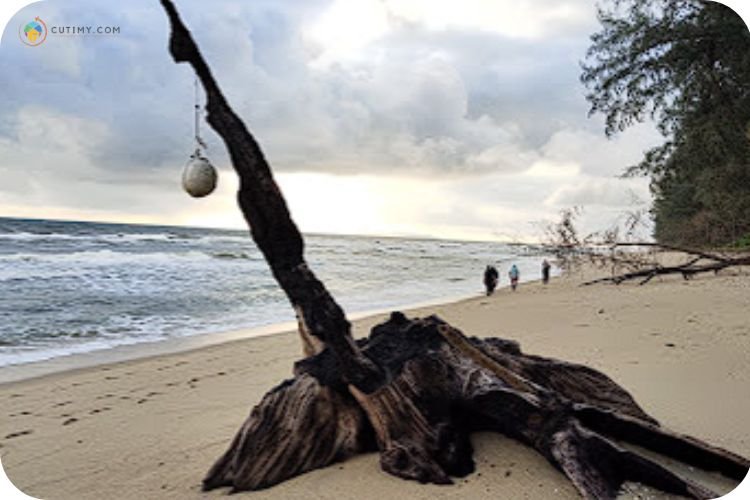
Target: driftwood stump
{"x": 417, "y": 388}
{"x": 441, "y": 387}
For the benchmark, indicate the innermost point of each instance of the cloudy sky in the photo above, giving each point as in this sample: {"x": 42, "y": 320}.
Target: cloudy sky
{"x": 453, "y": 119}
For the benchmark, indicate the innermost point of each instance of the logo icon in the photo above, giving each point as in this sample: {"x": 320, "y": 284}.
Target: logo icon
{"x": 33, "y": 33}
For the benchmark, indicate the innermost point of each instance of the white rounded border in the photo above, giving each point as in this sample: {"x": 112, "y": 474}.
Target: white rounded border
{"x": 8, "y": 8}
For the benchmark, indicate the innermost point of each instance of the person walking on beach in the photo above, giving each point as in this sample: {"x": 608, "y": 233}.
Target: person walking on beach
{"x": 490, "y": 279}
{"x": 545, "y": 271}
{"x": 514, "y": 274}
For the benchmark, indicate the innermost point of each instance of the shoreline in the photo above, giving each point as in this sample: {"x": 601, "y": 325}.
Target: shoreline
{"x": 152, "y": 427}
{"x": 128, "y": 352}
{"x": 131, "y": 292}
{"x": 20, "y": 372}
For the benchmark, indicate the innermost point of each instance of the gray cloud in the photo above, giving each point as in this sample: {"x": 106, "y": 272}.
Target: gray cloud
{"x": 419, "y": 100}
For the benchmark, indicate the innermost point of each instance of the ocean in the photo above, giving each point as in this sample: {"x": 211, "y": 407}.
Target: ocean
{"x": 72, "y": 287}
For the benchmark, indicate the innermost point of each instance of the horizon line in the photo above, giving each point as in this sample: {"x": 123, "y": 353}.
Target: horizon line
{"x": 311, "y": 233}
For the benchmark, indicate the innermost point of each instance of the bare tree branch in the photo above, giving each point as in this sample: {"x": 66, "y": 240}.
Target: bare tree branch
{"x": 605, "y": 250}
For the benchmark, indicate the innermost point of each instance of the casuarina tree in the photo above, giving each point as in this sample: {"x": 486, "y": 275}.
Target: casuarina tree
{"x": 686, "y": 65}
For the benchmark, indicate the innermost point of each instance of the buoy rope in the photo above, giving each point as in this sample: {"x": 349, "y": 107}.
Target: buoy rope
{"x": 198, "y": 140}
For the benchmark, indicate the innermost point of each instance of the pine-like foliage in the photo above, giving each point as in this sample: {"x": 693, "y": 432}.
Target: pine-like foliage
{"x": 685, "y": 64}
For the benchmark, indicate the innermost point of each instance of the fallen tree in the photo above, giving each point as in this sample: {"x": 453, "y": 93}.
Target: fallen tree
{"x": 698, "y": 262}
{"x": 625, "y": 257}
{"x": 416, "y": 388}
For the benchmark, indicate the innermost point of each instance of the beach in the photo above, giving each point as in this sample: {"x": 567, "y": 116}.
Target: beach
{"x": 151, "y": 427}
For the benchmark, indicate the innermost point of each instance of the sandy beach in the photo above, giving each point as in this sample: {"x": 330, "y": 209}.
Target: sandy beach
{"x": 151, "y": 427}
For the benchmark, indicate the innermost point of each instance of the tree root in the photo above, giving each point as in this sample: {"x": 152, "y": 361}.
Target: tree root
{"x": 436, "y": 395}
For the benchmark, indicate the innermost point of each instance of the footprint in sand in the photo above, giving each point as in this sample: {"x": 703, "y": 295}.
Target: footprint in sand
{"x": 70, "y": 421}
{"x": 99, "y": 410}
{"x": 19, "y": 433}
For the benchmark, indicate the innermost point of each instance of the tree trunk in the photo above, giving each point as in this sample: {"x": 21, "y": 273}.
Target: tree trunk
{"x": 416, "y": 388}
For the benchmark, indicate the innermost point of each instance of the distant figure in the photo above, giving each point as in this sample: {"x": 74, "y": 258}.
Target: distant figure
{"x": 545, "y": 271}
{"x": 514, "y": 274}
{"x": 490, "y": 279}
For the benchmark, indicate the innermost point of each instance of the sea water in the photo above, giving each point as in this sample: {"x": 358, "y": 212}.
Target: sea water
{"x": 71, "y": 287}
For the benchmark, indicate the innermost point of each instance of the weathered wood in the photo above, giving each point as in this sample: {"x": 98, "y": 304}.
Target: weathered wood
{"x": 436, "y": 396}
{"x": 416, "y": 389}
{"x": 298, "y": 426}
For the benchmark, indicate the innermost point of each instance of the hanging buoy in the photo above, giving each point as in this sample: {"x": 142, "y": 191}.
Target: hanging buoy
{"x": 199, "y": 176}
